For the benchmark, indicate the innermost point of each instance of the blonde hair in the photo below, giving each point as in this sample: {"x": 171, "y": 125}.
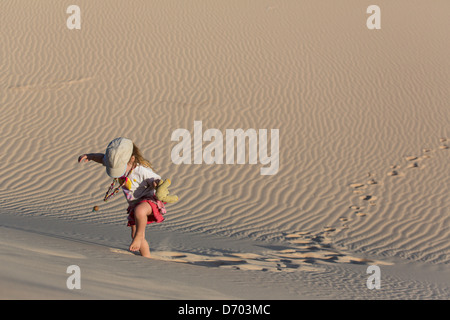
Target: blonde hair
{"x": 139, "y": 158}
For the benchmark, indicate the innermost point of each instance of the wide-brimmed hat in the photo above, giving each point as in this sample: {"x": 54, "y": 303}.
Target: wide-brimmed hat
{"x": 117, "y": 155}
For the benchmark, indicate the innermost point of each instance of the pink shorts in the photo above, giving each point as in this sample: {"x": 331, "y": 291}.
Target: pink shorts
{"x": 157, "y": 212}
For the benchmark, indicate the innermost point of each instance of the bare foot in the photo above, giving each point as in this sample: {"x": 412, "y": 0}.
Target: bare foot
{"x": 136, "y": 244}
{"x": 146, "y": 254}
{"x": 145, "y": 249}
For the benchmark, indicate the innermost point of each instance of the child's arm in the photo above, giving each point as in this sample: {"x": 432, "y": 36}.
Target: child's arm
{"x": 97, "y": 157}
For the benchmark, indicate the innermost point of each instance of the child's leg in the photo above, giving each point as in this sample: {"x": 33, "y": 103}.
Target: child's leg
{"x": 141, "y": 212}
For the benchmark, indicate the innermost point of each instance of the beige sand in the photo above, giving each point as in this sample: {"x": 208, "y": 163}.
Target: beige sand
{"x": 364, "y": 160}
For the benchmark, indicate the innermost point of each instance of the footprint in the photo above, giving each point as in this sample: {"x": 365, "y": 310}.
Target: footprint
{"x": 247, "y": 255}
{"x": 357, "y": 185}
{"x": 312, "y": 250}
{"x": 292, "y": 236}
{"x": 368, "y": 197}
{"x": 413, "y": 165}
{"x": 169, "y": 256}
{"x": 301, "y": 242}
{"x": 413, "y": 162}
{"x": 115, "y": 250}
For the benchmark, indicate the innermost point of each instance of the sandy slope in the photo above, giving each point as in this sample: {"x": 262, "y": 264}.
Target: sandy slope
{"x": 352, "y": 107}
{"x": 36, "y": 252}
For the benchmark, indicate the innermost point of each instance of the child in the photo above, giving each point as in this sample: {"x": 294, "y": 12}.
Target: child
{"x": 125, "y": 163}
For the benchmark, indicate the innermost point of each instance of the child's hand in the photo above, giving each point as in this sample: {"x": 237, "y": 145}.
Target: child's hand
{"x": 151, "y": 183}
{"x": 155, "y": 183}
{"x": 83, "y": 158}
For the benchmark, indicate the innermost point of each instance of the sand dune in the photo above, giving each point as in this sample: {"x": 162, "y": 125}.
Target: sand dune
{"x": 362, "y": 114}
